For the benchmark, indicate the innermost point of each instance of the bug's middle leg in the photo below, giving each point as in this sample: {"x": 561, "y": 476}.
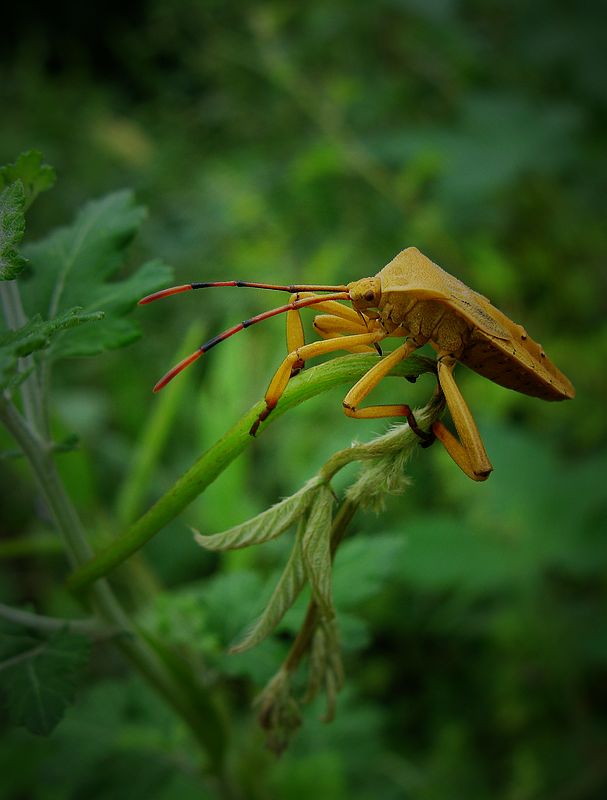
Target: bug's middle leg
{"x": 281, "y": 378}
{"x": 370, "y": 380}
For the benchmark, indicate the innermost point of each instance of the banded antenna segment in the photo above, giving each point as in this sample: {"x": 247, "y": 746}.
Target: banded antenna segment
{"x": 204, "y": 348}
{"x": 293, "y": 288}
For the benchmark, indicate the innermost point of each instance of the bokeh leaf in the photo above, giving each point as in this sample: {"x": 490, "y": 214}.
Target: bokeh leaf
{"x": 74, "y": 265}
{"x": 35, "y": 335}
{"x": 34, "y": 176}
{"x": 38, "y": 677}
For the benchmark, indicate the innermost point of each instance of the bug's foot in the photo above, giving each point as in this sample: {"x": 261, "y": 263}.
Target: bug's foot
{"x": 264, "y": 415}
{"x": 297, "y": 367}
{"x": 427, "y": 437}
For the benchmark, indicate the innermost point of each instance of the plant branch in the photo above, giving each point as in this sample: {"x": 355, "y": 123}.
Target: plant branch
{"x": 16, "y": 318}
{"x": 203, "y": 472}
{"x": 87, "y": 627}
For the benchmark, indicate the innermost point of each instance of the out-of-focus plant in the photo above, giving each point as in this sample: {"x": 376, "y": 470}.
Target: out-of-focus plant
{"x": 61, "y": 300}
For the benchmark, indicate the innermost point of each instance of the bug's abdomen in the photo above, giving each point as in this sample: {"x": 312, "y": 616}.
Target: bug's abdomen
{"x": 516, "y": 366}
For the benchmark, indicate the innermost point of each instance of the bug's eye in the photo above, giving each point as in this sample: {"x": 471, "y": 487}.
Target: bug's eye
{"x": 369, "y": 296}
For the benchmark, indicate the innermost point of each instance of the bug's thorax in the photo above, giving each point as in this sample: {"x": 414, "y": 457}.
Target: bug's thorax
{"x": 424, "y": 321}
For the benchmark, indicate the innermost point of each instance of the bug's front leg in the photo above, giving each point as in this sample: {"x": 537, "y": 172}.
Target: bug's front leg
{"x": 351, "y": 323}
{"x": 295, "y": 333}
{"x": 330, "y": 326}
{"x": 468, "y": 452}
{"x": 281, "y": 378}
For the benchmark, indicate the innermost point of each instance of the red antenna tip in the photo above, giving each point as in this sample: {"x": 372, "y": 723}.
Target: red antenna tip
{"x": 165, "y": 293}
{"x": 176, "y": 370}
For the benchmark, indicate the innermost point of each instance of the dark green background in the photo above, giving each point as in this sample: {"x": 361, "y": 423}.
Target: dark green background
{"x": 310, "y": 143}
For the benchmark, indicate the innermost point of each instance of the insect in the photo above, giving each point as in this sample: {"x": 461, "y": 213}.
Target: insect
{"x": 413, "y": 299}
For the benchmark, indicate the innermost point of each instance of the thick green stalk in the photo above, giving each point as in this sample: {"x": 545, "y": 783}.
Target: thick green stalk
{"x": 309, "y": 383}
{"x": 153, "y": 437}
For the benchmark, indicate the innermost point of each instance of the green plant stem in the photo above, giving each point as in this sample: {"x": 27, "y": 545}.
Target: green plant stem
{"x": 15, "y": 317}
{"x": 198, "y": 711}
{"x": 153, "y": 437}
{"x": 87, "y": 627}
{"x": 309, "y": 383}
{"x": 42, "y": 544}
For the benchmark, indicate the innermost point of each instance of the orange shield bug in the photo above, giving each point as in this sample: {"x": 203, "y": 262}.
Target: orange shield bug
{"x": 413, "y": 299}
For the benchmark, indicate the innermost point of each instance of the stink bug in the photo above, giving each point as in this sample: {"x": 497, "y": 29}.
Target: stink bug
{"x": 414, "y": 299}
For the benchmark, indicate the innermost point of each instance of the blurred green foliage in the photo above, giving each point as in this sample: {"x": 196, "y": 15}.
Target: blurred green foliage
{"x": 311, "y": 143}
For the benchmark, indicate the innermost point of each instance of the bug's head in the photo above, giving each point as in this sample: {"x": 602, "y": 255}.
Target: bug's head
{"x": 365, "y": 293}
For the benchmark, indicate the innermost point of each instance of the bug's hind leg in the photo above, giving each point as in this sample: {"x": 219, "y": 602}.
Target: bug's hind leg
{"x": 281, "y": 378}
{"x": 468, "y": 452}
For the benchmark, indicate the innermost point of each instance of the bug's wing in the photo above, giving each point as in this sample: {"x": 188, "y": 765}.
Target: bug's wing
{"x": 520, "y": 364}
{"x": 476, "y": 309}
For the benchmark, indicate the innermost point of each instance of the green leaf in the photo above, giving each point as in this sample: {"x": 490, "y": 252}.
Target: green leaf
{"x": 12, "y": 228}
{"x": 286, "y": 592}
{"x": 316, "y": 550}
{"x": 35, "y": 335}
{"x": 265, "y": 526}
{"x": 74, "y": 265}
{"x": 34, "y": 176}
{"x": 38, "y": 677}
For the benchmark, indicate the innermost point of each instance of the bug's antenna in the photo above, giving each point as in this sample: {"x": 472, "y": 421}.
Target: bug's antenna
{"x": 306, "y": 301}
{"x": 186, "y": 287}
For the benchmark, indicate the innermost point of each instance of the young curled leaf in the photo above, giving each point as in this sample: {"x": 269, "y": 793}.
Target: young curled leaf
{"x": 384, "y": 460}
{"x": 278, "y": 712}
{"x": 265, "y": 526}
{"x": 286, "y": 592}
{"x": 317, "y": 550}
{"x": 326, "y": 669}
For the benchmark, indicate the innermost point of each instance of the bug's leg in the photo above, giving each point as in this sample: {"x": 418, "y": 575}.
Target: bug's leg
{"x": 468, "y": 452}
{"x": 369, "y": 381}
{"x": 295, "y": 332}
{"x": 283, "y": 373}
{"x": 335, "y": 308}
{"x": 330, "y": 326}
